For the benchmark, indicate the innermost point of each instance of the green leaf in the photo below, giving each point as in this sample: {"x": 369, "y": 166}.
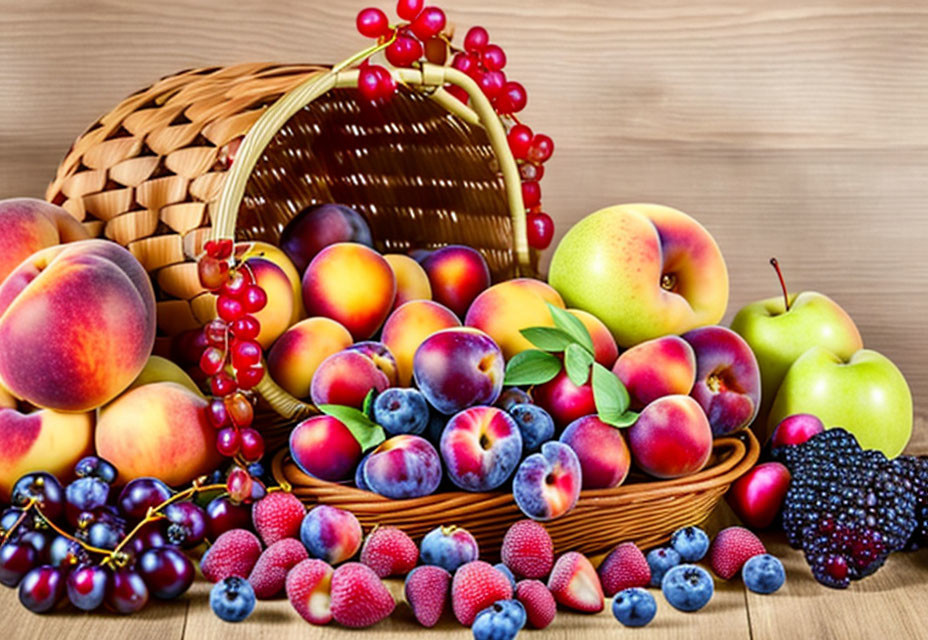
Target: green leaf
{"x": 367, "y": 408}
{"x": 627, "y": 419}
{"x": 547, "y": 338}
{"x": 367, "y": 432}
{"x": 531, "y": 367}
{"x": 572, "y": 326}
{"x": 609, "y": 394}
{"x": 577, "y": 361}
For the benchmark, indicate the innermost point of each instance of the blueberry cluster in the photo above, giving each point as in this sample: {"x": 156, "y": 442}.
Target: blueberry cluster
{"x": 847, "y": 508}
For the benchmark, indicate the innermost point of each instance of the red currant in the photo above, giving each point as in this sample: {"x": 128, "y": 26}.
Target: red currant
{"x": 229, "y": 309}
{"x": 254, "y": 299}
{"x": 212, "y": 361}
{"x": 428, "y": 23}
{"x": 403, "y": 51}
{"x": 520, "y": 138}
{"x": 372, "y": 23}
{"x": 235, "y": 285}
{"x": 216, "y": 332}
{"x": 240, "y": 411}
{"x": 250, "y": 377}
{"x": 217, "y": 414}
{"x": 246, "y": 328}
{"x": 245, "y": 353}
{"x": 466, "y": 63}
{"x": 531, "y": 193}
{"x": 457, "y": 92}
{"x": 369, "y": 83}
{"x": 491, "y": 83}
{"x": 239, "y": 484}
{"x": 213, "y": 273}
{"x": 511, "y": 99}
{"x": 387, "y": 84}
{"x": 219, "y": 249}
{"x": 221, "y": 384}
{"x": 476, "y": 39}
{"x": 541, "y": 149}
{"x": 540, "y": 230}
{"x": 529, "y": 171}
{"x": 252, "y": 445}
{"x": 228, "y": 442}
{"x": 493, "y": 57}
{"x": 408, "y": 9}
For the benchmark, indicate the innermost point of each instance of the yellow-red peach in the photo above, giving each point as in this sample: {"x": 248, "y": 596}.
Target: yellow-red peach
{"x": 297, "y": 354}
{"x": 258, "y": 249}
{"x": 276, "y": 315}
{"x": 158, "y": 430}
{"x": 41, "y": 441}
{"x": 409, "y": 326}
{"x": 412, "y": 283}
{"x": 605, "y": 350}
{"x": 30, "y": 225}
{"x": 457, "y": 274}
{"x": 346, "y": 378}
{"x": 508, "y": 307}
{"x": 77, "y": 324}
{"x": 352, "y": 284}
{"x": 671, "y": 437}
{"x": 657, "y": 368}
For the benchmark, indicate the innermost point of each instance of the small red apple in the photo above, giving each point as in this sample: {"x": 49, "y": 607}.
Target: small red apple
{"x": 796, "y": 429}
{"x": 757, "y": 496}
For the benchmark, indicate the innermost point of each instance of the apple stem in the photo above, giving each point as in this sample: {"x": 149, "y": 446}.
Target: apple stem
{"x": 776, "y": 266}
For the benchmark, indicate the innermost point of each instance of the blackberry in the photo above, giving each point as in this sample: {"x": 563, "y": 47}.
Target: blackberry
{"x": 916, "y": 470}
{"x": 848, "y": 508}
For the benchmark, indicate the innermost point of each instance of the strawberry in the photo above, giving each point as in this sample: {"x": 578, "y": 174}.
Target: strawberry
{"x": 540, "y": 607}
{"x": 278, "y": 515}
{"x": 389, "y": 552}
{"x": 731, "y": 548}
{"x": 270, "y": 573}
{"x": 574, "y": 583}
{"x": 476, "y": 586}
{"x": 309, "y": 587}
{"x": 426, "y": 591}
{"x": 359, "y": 598}
{"x": 528, "y": 550}
{"x": 234, "y": 553}
{"x": 624, "y": 568}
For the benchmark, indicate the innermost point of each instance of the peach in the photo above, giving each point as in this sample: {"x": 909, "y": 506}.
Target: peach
{"x": 459, "y": 368}
{"x": 657, "y": 368}
{"x": 158, "y": 430}
{"x": 412, "y": 283}
{"x": 645, "y": 270}
{"x": 381, "y": 356}
{"x": 408, "y": 327}
{"x": 324, "y": 448}
{"x": 297, "y": 354}
{"x": 564, "y": 400}
{"x": 30, "y": 225}
{"x": 77, "y": 324}
{"x": 605, "y": 350}
{"x": 41, "y": 441}
{"x": 258, "y": 249}
{"x": 457, "y": 275}
{"x": 346, "y": 378}
{"x": 671, "y": 437}
{"x": 405, "y": 466}
{"x": 7, "y": 401}
{"x": 505, "y": 308}
{"x": 601, "y": 449}
{"x": 317, "y": 227}
{"x": 275, "y": 317}
{"x": 547, "y": 484}
{"x": 481, "y": 447}
{"x": 352, "y": 284}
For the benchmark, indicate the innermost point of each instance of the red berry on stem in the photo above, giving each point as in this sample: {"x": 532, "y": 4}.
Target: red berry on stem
{"x": 222, "y": 384}
{"x": 245, "y": 353}
{"x": 493, "y": 57}
{"x": 250, "y": 377}
{"x": 476, "y": 39}
{"x": 511, "y": 99}
{"x": 229, "y": 309}
{"x": 428, "y": 23}
{"x": 403, "y": 51}
{"x": 520, "y": 139}
{"x": 212, "y": 361}
{"x": 541, "y": 149}
{"x": 238, "y": 484}
{"x": 369, "y": 83}
{"x": 530, "y": 171}
{"x": 240, "y": 411}
{"x": 372, "y": 23}
{"x": 246, "y": 328}
{"x": 386, "y": 86}
{"x": 540, "y": 230}
{"x": 220, "y": 249}
{"x": 457, "y": 92}
{"x": 491, "y": 83}
{"x": 216, "y": 414}
{"x": 254, "y": 299}
{"x": 466, "y": 63}
{"x": 212, "y": 272}
{"x": 235, "y": 284}
{"x": 531, "y": 193}
{"x": 252, "y": 445}
{"x": 215, "y": 332}
{"x": 228, "y": 442}
{"x": 408, "y": 9}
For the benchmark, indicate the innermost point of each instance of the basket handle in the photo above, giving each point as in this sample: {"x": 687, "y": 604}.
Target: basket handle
{"x": 428, "y": 75}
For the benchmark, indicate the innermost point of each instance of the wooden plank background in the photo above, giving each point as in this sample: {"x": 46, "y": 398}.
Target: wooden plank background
{"x": 793, "y": 128}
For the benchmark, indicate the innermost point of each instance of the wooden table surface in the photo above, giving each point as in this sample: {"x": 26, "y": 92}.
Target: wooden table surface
{"x": 794, "y": 128}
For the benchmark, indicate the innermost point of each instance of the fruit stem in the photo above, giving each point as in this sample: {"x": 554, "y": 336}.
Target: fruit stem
{"x": 19, "y": 521}
{"x": 61, "y": 532}
{"x": 776, "y": 266}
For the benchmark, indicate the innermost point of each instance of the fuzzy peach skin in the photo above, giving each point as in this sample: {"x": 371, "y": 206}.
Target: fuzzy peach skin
{"x": 276, "y": 315}
{"x": 605, "y": 350}
{"x": 508, "y": 307}
{"x": 158, "y": 430}
{"x": 645, "y": 270}
{"x": 350, "y": 283}
{"x": 30, "y": 225}
{"x": 409, "y": 326}
{"x": 77, "y": 324}
{"x": 601, "y": 449}
{"x": 657, "y": 368}
{"x": 258, "y": 249}
{"x": 41, "y": 441}
{"x": 412, "y": 283}
{"x": 671, "y": 438}
{"x": 297, "y": 354}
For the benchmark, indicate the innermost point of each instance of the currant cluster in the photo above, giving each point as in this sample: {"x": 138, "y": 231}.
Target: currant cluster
{"x": 231, "y": 341}
{"x": 95, "y": 547}
{"x": 848, "y": 508}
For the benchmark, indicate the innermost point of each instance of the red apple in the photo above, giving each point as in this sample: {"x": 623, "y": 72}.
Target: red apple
{"x": 757, "y": 496}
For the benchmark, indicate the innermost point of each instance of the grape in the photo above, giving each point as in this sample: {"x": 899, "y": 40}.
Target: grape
{"x": 66, "y": 553}
{"x": 16, "y": 560}
{"x": 250, "y": 377}
{"x": 188, "y": 524}
{"x": 241, "y": 412}
{"x": 42, "y": 588}
{"x": 140, "y": 494}
{"x": 94, "y": 467}
{"x": 103, "y": 535}
{"x": 42, "y": 487}
{"x": 221, "y": 384}
{"x": 86, "y": 586}
{"x": 212, "y": 272}
{"x": 222, "y": 515}
{"x": 150, "y": 536}
{"x": 39, "y": 541}
{"x": 228, "y": 442}
{"x": 167, "y": 572}
{"x": 252, "y": 445}
{"x": 125, "y": 591}
{"x": 239, "y": 485}
{"x": 531, "y": 194}
{"x": 85, "y": 494}
{"x": 8, "y": 520}
{"x": 212, "y": 360}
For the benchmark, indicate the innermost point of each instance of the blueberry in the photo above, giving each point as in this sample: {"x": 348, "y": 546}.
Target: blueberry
{"x": 501, "y": 621}
{"x": 763, "y": 574}
{"x": 691, "y": 543}
{"x": 400, "y": 411}
{"x": 634, "y": 607}
{"x": 94, "y": 467}
{"x": 510, "y": 397}
{"x": 535, "y": 423}
{"x": 687, "y": 587}
{"x": 660, "y": 561}
{"x": 503, "y": 569}
{"x": 232, "y": 599}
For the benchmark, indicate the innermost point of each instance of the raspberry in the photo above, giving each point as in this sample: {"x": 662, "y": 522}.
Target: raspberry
{"x": 270, "y": 573}
{"x": 309, "y": 587}
{"x": 233, "y": 554}
{"x": 731, "y": 548}
{"x": 539, "y": 604}
{"x": 528, "y": 550}
{"x": 426, "y": 591}
{"x": 624, "y": 568}
{"x": 574, "y": 583}
{"x": 278, "y": 515}
{"x": 389, "y": 552}
{"x": 476, "y": 586}
{"x": 359, "y": 598}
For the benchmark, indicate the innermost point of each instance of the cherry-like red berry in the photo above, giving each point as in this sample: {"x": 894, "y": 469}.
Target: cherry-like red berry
{"x": 229, "y": 309}
{"x": 254, "y": 299}
{"x": 493, "y": 57}
{"x": 216, "y": 332}
{"x": 540, "y": 230}
{"x": 252, "y": 445}
{"x": 246, "y": 328}
{"x": 212, "y": 361}
{"x": 403, "y": 51}
{"x": 250, "y": 377}
{"x": 239, "y": 485}
{"x": 541, "y": 149}
{"x": 529, "y": 171}
{"x": 241, "y": 413}
{"x": 409, "y": 9}
{"x": 476, "y": 39}
{"x": 457, "y": 92}
{"x": 219, "y": 249}
{"x": 520, "y": 139}
{"x": 212, "y": 272}
{"x": 216, "y": 414}
{"x": 372, "y": 23}
{"x": 466, "y": 63}
{"x": 235, "y": 285}
{"x": 221, "y": 384}
{"x": 491, "y": 83}
{"x": 511, "y": 99}
{"x": 228, "y": 442}
{"x": 428, "y": 23}
{"x": 531, "y": 194}
{"x": 245, "y": 353}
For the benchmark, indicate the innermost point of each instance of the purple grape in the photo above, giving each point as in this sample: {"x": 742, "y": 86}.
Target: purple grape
{"x": 42, "y": 588}
{"x": 16, "y": 560}
{"x": 94, "y": 467}
{"x": 84, "y": 494}
{"x": 39, "y": 541}
{"x": 222, "y": 515}
{"x": 188, "y": 524}
{"x": 140, "y": 494}
{"x": 103, "y": 535}
{"x": 125, "y": 591}
{"x": 167, "y": 572}
{"x": 86, "y": 586}
{"x": 151, "y": 535}
{"x": 42, "y": 487}
{"x": 9, "y": 519}
{"x": 66, "y": 553}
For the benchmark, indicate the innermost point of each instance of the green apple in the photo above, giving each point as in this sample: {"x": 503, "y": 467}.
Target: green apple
{"x": 866, "y": 394}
